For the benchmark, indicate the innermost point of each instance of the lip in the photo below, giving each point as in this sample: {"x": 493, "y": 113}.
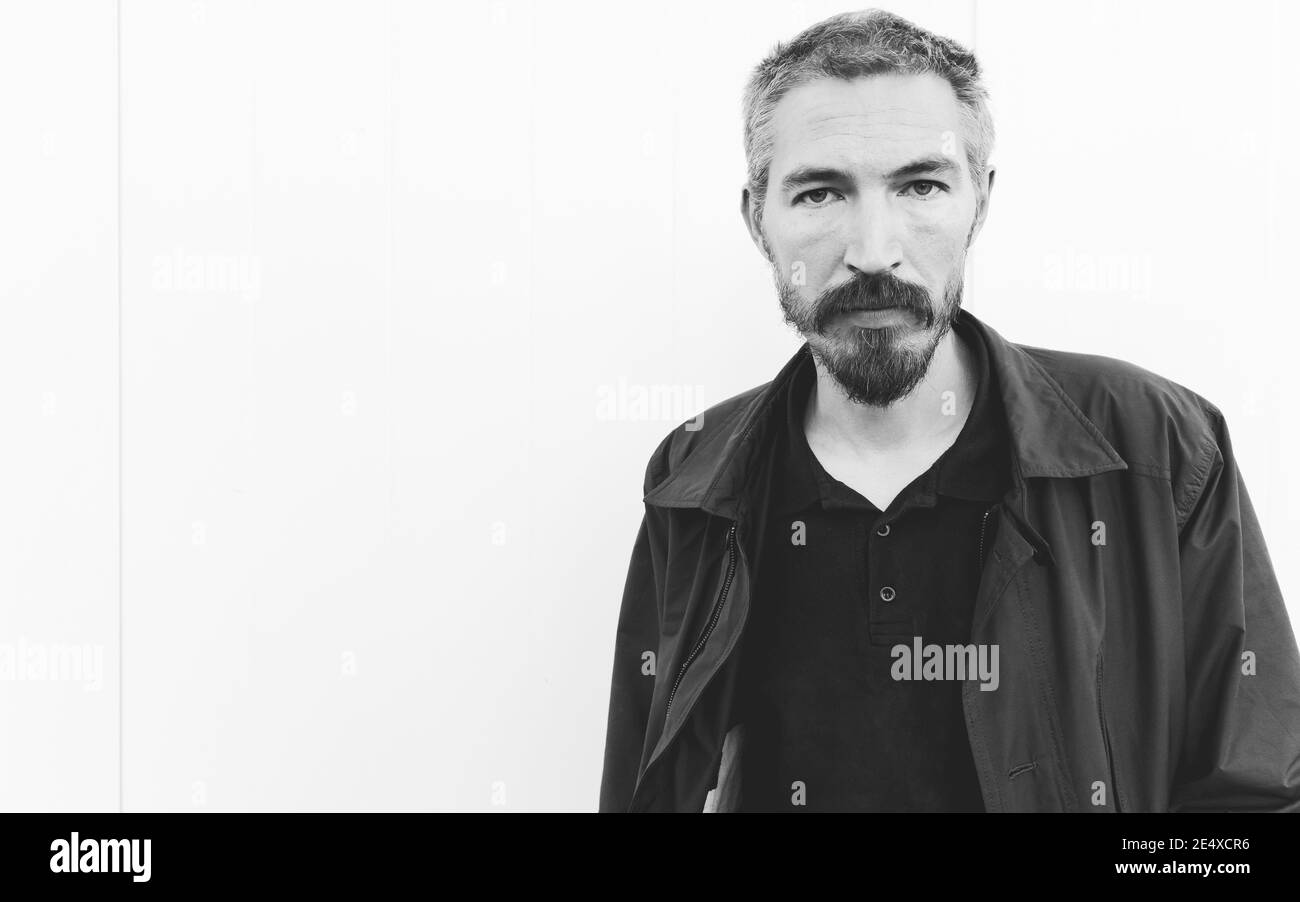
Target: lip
{"x": 877, "y": 315}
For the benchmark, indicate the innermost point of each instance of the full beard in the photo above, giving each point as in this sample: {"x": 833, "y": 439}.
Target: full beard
{"x": 873, "y": 366}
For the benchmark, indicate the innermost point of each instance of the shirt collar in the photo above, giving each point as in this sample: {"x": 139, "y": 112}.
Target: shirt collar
{"x": 976, "y": 467}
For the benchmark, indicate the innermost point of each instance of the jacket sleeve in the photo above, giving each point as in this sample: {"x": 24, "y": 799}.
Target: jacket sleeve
{"x": 636, "y": 649}
{"x": 1242, "y": 747}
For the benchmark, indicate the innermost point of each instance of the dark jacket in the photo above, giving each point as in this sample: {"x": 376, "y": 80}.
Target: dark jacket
{"x": 1147, "y": 662}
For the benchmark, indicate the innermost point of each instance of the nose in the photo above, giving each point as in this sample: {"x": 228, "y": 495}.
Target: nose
{"x": 873, "y": 245}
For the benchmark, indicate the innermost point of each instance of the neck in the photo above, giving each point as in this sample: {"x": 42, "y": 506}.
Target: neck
{"x": 924, "y": 416}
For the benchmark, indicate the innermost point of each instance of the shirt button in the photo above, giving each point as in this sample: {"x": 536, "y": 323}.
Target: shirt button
{"x": 883, "y": 531}
{"x": 887, "y": 593}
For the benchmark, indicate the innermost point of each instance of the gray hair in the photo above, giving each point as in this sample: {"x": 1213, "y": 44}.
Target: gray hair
{"x": 855, "y": 44}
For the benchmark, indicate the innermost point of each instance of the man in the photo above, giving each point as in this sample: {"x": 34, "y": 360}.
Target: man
{"x": 924, "y": 568}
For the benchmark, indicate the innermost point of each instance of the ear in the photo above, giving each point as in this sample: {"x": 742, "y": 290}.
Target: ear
{"x": 748, "y": 213}
{"x": 982, "y": 205}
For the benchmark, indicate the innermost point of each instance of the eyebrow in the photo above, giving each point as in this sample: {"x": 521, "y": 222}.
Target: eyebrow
{"x": 926, "y": 166}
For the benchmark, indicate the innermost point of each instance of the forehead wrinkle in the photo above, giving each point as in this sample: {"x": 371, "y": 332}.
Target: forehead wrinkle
{"x": 844, "y": 132}
{"x": 832, "y": 139}
{"x": 901, "y": 117}
{"x": 817, "y": 108}
{"x": 844, "y": 151}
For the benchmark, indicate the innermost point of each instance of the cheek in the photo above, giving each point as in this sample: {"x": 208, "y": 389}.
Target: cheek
{"x": 805, "y": 250}
{"x": 939, "y": 240}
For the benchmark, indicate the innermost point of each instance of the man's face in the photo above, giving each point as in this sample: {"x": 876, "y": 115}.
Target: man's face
{"x": 869, "y": 212}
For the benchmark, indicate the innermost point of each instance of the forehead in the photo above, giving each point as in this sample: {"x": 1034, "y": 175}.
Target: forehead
{"x": 877, "y": 121}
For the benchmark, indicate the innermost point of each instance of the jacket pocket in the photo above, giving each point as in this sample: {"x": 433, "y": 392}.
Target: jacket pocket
{"x": 709, "y": 625}
{"x": 1105, "y": 737}
{"x": 1033, "y": 785}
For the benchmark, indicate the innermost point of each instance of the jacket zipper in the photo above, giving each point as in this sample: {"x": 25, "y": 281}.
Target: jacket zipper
{"x": 1105, "y": 738}
{"x": 713, "y": 618}
{"x": 983, "y": 523}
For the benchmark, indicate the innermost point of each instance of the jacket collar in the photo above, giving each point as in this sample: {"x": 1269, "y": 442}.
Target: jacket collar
{"x": 1050, "y": 436}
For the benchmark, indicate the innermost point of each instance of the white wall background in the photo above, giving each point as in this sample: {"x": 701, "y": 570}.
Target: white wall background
{"x": 310, "y": 308}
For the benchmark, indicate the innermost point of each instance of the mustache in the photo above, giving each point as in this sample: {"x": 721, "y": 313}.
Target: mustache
{"x": 872, "y": 291}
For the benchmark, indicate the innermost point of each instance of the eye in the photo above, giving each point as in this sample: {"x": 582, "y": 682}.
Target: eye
{"x": 816, "y": 197}
{"x": 926, "y": 189}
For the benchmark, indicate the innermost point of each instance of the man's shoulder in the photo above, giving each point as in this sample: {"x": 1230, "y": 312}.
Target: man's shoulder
{"x": 1158, "y": 425}
{"x": 706, "y": 433}
{"x": 1111, "y": 385}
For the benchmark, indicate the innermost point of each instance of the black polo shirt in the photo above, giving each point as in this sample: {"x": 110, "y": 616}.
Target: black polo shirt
{"x": 827, "y": 724}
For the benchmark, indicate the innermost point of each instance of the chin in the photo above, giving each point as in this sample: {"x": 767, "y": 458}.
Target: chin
{"x": 894, "y": 337}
